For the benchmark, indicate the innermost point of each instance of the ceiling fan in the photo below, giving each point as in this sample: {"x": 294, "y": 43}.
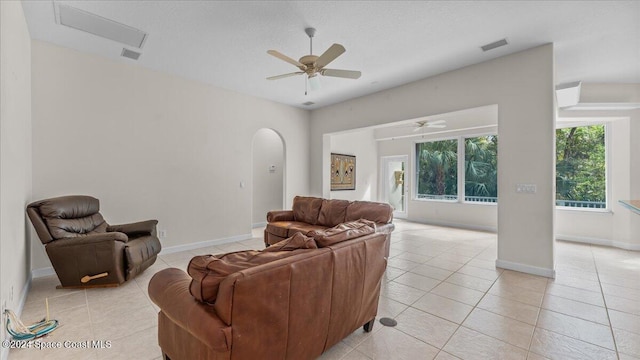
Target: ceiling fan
{"x": 312, "y": 65}
{"x": 438, "y": 124}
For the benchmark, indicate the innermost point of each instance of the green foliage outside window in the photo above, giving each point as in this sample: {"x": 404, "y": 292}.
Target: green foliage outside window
{"x": 481, "y": 168}
{"x": 438, "y": 169}
{"x": 580, "y": 165}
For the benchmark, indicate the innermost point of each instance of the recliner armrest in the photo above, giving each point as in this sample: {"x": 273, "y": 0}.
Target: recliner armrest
{"x": 90, "y": 239}
{"x": 280, "y": 215}
{"x": 137, "y": 228}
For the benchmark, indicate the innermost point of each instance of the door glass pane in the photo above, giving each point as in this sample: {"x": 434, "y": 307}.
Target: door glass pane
{"x": 395, "y": 181}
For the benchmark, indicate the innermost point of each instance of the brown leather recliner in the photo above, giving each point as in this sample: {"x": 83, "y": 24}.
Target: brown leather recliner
{"x": 84, "y": 250}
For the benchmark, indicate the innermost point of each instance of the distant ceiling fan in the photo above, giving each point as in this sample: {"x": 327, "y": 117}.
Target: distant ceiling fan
{"x": 313, "y": 65}
{"x": 439, "y": 124}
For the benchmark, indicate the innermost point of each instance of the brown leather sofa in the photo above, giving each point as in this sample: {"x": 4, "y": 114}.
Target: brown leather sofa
{"x": 84, "y": 250}
{"x": 280, "y": 303}
{"x": 311, "y": 213}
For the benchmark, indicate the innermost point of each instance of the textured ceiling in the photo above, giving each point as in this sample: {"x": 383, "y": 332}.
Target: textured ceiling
{"x": 391, "y": 42}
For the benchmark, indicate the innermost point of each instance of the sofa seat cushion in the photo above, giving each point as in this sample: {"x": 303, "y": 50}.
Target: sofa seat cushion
{"x": 208, "y": 271}
{"x": 343, "y": 232}
{"x": 303, "y": 228}
{"x": 279, "y": 228}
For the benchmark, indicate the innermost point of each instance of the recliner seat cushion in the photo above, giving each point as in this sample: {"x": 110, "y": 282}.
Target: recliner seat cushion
{"x": 73, "y": 227}
{"x": 343, "y": 232}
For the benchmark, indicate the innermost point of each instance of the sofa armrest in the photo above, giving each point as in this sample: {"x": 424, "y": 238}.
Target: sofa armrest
{"x": 137, "y": 228}
{"x": 169, "y": 289}
{"x": 280, "y": 215}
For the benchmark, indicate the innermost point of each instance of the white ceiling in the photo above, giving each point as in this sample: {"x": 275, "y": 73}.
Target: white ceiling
{"x": 392, "y": 42}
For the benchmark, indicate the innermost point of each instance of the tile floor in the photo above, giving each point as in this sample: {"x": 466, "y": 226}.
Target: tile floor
{"x": 441, "y": 286}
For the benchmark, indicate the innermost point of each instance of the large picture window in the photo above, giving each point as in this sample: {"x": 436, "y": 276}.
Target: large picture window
{"x": 581, "y": 167}
{"x": 481, "y": 169}
{"x": 437, "y": 165}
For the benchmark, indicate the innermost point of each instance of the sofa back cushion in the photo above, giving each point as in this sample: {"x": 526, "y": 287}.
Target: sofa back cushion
{"x": 343, "y": 232}
{"x": 333, "y": 212}
{"x": 377, "y": 212}
{"x": 306, "y": 209}
{"x": 207, "y": 271}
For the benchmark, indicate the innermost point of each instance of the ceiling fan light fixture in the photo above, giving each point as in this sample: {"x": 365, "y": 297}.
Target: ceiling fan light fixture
{"x": 314, "y": 82}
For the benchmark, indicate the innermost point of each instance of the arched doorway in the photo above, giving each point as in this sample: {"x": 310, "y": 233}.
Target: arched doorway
{"x": 268, "y": 174}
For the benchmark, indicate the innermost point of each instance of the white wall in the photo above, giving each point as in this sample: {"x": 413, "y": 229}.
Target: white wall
{"x": 152, "y": 145}
{"x": 267, "y": 185}
{"x": 618, "y": 227}
{"x": 15, "y": 155}
{"x": 362, "y": 144}
{"x": 522, "y": 85}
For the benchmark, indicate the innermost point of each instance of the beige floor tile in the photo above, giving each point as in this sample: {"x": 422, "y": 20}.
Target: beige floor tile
{"x": 432, "y": 272}
{"x": 624, "y": 321}
{"x": 483, "y": 264}
{"x": 36, "y": 310}
{"x": 389, "y": 308}
{"x": 577, "y": 309}
{"x": 402, "y": 264}
{"x": 622, "y": 356}
{"x": 470, "y": 282}
{"x": 470, "y": 344}
{"x": 355, "y": 355}
{"x": 392, "y": 273}
{"x": 568, "y": 292}
{"x": 480, "y": 272}
{"x": 53, "y": 354}
{"x": 142, "y": 345}
{"x": 443, "y": 355}
{"x": 451, "y": 255}
{"x": 622, "y": 304}
{"x": 426, "y": 327}
{"x": 402, "y": 293}
{"x": 124, "y": 323}
{"x": 627, "y": 342}
{"x": 444, "y": 264}
{"x": 529, "y": 282}
{"x": 576, "y": 282}
{"x": 576, "y": 328}
{"x": 516, "y": 293}
{"x": 420, "y": 259}
{"x": 534, "y": 356}
{"x": 355, "y": 338}
{"x": 623, "y": 280}
{"x": 620, "y": 291}
{"x": 443, "y": 307}
{"x": 177, "y": 256}
{"x": 510, "y": 308}
{"x": 511, "y": 331}
{"x": 458, "y": 293}
{"x": 556, "y": 346}
{"x": 417, "y": 281}
{"x": 390, "y": 343}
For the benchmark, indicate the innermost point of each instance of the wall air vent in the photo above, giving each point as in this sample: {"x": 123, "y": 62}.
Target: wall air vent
{"x": 308, "y": 103}
{"x": 99, "y": 26}
{"x": 493, "y": 45}
{"x": 130, "y": 54}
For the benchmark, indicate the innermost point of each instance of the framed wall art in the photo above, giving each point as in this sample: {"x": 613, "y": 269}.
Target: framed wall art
{"x": 343, "y": 172}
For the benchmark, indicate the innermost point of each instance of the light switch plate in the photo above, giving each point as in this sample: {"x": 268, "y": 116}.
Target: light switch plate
{"x": 526, "y": 188}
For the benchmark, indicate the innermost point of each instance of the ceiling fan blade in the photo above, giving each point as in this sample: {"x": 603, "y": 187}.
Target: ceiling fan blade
{"x": 436, "y": 126}
{"x": 285, "y": 75}
{"x": 328, "y": 56}
{"x": 287, "y": 59}
{"x": 349, "y": 74}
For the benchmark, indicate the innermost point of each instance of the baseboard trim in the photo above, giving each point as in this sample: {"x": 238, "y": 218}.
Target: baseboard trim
{"x": 533, "y": 270}
{"x": 597, "y": 241}
{"x": 42, "y": 272}
{"x": 201, "y": 244}
{"x": 259, "y": 225}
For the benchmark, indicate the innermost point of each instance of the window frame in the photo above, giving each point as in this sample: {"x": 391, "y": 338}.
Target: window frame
{"x": 607, "y": 163}
{"x": 461, "y": 154}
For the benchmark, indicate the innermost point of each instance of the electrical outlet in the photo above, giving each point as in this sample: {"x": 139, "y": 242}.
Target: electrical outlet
{"x": 162, "y": 234}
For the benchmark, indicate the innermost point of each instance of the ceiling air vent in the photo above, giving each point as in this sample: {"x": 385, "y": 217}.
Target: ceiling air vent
{"x": 130, "y": 54}
{"x": 97, "y": 25}
{"x": 493, "y": 45}
{"x": 308, "y": 103}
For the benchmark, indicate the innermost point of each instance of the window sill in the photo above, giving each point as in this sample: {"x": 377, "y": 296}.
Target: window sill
{"x": 605, "y": 211}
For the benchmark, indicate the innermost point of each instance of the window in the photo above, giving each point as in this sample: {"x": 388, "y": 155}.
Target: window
{"x": 481, "y": 169}
{"x": 437, "y": 165}
{"x": 580, "y": 167}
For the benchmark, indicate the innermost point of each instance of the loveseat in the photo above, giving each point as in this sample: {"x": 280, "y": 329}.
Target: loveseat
{"x": 311, "y": 213}
{"x": 292, "y": 300}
